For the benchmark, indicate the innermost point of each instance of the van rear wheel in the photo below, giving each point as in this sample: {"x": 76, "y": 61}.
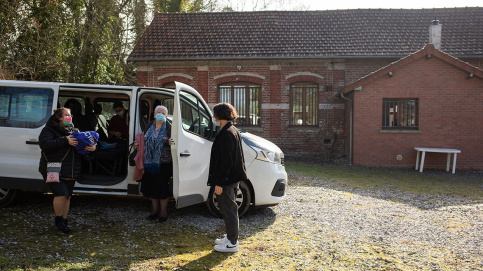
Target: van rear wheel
{"x": 7, "y": 196}
{"x": 243, "y": 200}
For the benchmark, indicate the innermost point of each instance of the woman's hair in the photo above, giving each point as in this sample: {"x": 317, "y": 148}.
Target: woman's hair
{"x": 59, "y": 112}
{"x": 117, "y": 104}
{"x": 225, "y": 111}
{"x": 161, "y": 106}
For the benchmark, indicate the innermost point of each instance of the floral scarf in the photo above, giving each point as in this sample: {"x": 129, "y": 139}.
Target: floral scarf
{"x": 63, "y": 130}
{"x": 153, "y": 147}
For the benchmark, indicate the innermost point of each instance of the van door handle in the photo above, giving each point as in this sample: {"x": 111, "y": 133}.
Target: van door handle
{"x": 184, "y": 154}
{"x": 32, "y": 142}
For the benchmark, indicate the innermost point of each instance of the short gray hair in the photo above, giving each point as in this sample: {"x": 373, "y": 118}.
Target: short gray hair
{"x": 163, "y": 107}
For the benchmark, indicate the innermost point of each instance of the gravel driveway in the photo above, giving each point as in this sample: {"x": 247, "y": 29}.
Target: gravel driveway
{"x": 321, "y": 225}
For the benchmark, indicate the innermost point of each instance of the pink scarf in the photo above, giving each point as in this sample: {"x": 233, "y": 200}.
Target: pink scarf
{"x": 139, "y": 158}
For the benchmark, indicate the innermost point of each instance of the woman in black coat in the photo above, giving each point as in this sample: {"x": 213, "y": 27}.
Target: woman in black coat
{"x": 56, "y": 143}
{"x": 227, "y": 170}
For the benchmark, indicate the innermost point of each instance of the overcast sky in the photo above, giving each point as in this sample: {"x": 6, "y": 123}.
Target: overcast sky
{"x": 247, "y": 5}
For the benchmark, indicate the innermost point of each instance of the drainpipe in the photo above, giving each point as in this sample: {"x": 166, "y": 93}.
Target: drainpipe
{"x": 350, "y": 124}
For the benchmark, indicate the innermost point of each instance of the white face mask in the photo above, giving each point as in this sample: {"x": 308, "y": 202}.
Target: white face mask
{"x": 215, "y": 122}
{"x": 121, "y": 113}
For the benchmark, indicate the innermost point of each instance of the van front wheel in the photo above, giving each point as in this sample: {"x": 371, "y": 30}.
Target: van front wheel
{"x": 6, "y": 196}
{"x": 243, "y": 200}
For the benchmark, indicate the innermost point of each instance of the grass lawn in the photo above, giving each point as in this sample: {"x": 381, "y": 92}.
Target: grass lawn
{"x": 463, "y": 184}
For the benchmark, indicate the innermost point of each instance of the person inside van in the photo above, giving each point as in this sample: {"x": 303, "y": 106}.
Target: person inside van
{"x": 76, "y": 110}
{"x": 56, "y": 143}
{"x": 227, "y": 170}
{"x": 118, "y": 124}
{"x": 157, "y": 163}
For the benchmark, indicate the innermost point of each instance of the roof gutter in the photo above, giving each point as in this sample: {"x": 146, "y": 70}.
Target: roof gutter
{"x": 283, "y": 58}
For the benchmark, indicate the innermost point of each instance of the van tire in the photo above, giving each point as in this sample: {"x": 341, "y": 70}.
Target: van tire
{"x": 243, "y": 198}
{"x": 7, "y": 196}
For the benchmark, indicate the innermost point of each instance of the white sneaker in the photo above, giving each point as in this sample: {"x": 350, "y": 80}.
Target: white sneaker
{"x": 220, "y": 241}
{"x": 227, "y": 247}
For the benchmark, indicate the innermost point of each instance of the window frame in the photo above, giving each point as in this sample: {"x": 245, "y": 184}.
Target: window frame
{"x": 400, "y": 101}
{"x": 247, "y": 86}
{"x": 304, "y": 84}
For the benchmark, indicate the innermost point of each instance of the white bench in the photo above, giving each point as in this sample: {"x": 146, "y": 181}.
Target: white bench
{"x": 448, "y": 151}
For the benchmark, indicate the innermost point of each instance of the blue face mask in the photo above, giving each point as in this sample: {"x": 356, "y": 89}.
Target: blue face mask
{"x": 160, "y": 117}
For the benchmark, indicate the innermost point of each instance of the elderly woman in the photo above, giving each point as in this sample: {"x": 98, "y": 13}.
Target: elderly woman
{"x": 56, "y": 143}
{"x": 158, "y": 165}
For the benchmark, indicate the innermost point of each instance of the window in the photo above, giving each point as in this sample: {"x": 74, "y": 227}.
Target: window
{"x": 25, "y": 107}
{"x": 304, "y": 100}
{"x": 400, "y": 114}
{"x": 194, "y": 116}
{"x": 246, "y": 100}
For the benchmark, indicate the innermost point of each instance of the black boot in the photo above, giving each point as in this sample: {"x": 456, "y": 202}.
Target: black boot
{"x": 59, "y": 223}
{"x": 65, "y": 222}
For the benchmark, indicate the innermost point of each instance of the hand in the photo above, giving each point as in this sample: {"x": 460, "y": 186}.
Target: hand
{"x": 90, "y": 148}
{"x": 169, "y": 141}
{"x": 72, "y": 141}
{"x": 218, "y": 190}
{"x": 135, "y": 144}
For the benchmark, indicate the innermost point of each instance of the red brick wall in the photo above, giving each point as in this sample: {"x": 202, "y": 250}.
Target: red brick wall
{"x": 450, "y": 116}
{"x": 275, "y": 93}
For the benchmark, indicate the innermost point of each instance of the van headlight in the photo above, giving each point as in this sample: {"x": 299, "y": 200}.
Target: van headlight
{"x": 268, "y": 156}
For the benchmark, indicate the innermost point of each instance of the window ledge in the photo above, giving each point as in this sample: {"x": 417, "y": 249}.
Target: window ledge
{"x": 401, "y": 131}
{"x": 249, "y": 128}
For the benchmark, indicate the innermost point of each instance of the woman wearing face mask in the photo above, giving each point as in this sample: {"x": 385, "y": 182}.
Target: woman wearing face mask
{"x": 158, "y": 165}
{"x": 56, "y": 143}
{"x": 118, "y": 124}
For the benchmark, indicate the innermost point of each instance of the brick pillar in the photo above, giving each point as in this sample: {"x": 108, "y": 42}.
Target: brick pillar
{"x": 203, "y": 81}
{"x": 275, "y": 88}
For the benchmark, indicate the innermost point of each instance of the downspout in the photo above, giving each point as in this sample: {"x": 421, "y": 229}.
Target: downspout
{"x": 350, "y": 125}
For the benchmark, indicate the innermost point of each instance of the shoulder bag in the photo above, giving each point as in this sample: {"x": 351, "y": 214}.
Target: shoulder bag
{"x": 53, "y": 169}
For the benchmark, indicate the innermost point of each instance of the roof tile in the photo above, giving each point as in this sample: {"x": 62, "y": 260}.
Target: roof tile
{"x": 303, "y": 34}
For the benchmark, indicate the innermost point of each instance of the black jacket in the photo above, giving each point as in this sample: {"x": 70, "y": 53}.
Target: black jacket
{"x": 227, "y": 163}
{"x": 55, "y": 146}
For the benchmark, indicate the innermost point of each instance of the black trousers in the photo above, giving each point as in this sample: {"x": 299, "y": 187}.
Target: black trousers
{"x": 229, "y": 210}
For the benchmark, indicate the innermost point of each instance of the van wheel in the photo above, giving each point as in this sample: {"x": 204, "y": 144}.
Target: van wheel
{"x": 6, "y": 196}
{"x": 243, "y": 200}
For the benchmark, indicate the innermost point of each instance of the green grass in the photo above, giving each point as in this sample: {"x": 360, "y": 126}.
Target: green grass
{"x": 463, "y": 184}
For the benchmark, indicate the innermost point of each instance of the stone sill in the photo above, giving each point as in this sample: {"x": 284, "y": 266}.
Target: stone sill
{"x": 400, "y": 131}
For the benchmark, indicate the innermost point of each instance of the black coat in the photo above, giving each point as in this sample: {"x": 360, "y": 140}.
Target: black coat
{"x": 55, "y": 145}
{"x": 227, "y": 163}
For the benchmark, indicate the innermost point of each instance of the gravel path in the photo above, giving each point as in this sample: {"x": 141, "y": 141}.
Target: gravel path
{"x": 321, "y": 225}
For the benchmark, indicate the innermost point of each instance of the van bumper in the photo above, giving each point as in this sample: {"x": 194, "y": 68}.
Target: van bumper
{"x": 269, "y": 182}
{"x": 24, "y": 184}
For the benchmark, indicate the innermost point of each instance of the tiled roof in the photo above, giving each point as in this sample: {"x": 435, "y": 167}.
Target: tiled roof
{"x": 428, "y": 50}
{"x": 308, "y": 34}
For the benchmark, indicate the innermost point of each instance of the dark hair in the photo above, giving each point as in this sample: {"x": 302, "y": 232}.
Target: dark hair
{"x": 117, "y": 104}
{"x": 225, "y": 111}
{"x": 59, "y": 112}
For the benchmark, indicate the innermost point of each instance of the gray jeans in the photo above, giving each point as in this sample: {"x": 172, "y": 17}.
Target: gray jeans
{"x": 229, "y": 210}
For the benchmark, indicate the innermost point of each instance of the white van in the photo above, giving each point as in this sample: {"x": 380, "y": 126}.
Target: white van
{"x": 26, "y": 106}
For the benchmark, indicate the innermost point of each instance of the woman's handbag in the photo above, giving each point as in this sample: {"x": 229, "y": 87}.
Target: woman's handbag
{"x": 132, "y": 163}
{"x": 53, "y": 169}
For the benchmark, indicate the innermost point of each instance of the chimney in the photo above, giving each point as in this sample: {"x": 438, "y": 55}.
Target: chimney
{"x": 435, "y": 34}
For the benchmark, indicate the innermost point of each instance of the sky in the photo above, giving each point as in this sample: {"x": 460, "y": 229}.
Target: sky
{"x": 247, "y": 5}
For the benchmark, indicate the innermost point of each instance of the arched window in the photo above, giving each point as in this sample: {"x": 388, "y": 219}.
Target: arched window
{"x": 245, "y": 97}
{"x": 303, "y": 103}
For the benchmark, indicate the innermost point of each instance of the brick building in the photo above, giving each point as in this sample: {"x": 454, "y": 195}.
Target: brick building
{"x": 282, "y": 70}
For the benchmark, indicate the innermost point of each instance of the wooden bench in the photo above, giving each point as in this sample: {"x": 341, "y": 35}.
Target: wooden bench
{"x": 448, "y": 151}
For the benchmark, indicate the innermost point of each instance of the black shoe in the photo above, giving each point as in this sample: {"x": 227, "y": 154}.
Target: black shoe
{"x": 59, "y": 223}
{"x": 162, "y": 219}
{"x": 152, "y": 216}
{"x": 66, "y": 225}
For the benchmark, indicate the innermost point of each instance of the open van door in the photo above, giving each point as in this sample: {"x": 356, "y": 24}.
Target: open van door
{"x": 191, "y": 133}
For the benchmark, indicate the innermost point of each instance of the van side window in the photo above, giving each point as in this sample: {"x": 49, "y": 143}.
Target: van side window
{"x": 25, "y": 107}
{"x": 195, "y": 118}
